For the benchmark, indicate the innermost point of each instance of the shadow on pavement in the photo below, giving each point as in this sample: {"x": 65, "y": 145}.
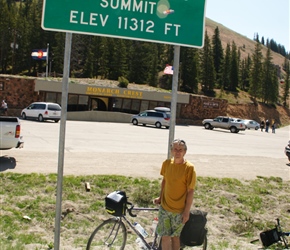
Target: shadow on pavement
{"x": 7, "y": 162}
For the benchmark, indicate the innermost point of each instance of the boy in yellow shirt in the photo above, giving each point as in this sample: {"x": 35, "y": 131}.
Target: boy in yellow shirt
{"x": 176, "y": 196}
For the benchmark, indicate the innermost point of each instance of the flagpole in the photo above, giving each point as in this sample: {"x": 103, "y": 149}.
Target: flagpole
{"x": 47, "y": 52}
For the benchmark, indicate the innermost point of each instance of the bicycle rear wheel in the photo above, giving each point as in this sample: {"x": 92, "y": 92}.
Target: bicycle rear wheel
{"x": 111, "y": 234}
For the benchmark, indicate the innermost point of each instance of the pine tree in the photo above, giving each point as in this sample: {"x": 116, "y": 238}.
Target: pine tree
{"x": 245, "y": 73}
{"x": 267, "y": 80}
{"x": 256, "y": 72}
{"x": 226, "y": 69}
{"x": 103, "y": 58}
{"x": 263, "y": 41}
{"x": 118, "y": 59}
{"x": 207, "y": 74}
{"x": 218, "y": 54}
{"x": 88, "y": 69}
{"x": 234, "y": 73}
{"x": 59, "y": 49}
{"x": 189, "y": 70}
{"x": 286, "y": 83}
{"x": 153, "y": 69}
{"x": 141, "y": 63}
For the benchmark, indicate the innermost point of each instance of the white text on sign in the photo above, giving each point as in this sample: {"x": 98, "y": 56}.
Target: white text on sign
{"x": 124, "y": 23}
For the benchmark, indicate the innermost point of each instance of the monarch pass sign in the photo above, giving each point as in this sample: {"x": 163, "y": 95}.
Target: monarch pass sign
{"x": 177, "y": 22}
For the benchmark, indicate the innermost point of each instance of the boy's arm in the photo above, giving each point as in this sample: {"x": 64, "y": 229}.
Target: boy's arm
{"x": 158, "y": 199}
{"x": 188, "y": 203}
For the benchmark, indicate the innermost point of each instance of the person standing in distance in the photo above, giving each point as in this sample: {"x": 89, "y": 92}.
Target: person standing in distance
{"x": 267, "y": 126}
{"x": 287, "y": 152}
{"x": 176, "y": 195}
{"x": 4, "y": 107}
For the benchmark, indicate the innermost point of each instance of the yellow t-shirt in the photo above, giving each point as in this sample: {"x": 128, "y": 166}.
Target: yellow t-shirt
{"x": 179, "y": 178}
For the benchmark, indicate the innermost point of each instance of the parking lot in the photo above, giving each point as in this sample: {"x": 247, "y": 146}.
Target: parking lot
{"x": 124, "y": 149}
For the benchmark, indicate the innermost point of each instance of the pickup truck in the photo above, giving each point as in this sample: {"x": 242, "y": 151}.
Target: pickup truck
{"x": 224, "y": 122}
{"x": 10, "y": 133}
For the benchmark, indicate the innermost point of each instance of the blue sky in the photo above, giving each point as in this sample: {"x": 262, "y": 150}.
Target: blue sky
{"x": 268, "y": 18}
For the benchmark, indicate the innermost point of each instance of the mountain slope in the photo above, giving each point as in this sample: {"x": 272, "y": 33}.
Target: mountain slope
{"x": 245, "y": 44}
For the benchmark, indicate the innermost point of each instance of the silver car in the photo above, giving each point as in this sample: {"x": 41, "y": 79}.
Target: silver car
{"x": 152, "y": 117}
{"x": 42, "y": 111}
{"x": 252, "y": 124}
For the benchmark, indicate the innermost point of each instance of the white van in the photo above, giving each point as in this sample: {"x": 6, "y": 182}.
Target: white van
{"x": 42, "y": 111}
{"x": 152, "y": 117}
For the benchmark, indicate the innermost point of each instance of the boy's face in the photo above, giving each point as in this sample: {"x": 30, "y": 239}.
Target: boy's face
{"x": 178, "y": 151}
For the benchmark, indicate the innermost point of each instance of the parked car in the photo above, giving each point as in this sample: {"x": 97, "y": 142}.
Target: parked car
{"x": 252, "y": 124}
{"x": 224, "y": 122}
{"x": 152, "y": 117}
{"x": 42, "y": 111}
{"x": 10, "y": 129}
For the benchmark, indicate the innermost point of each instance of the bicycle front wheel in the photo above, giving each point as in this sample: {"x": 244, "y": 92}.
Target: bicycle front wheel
{"x": 111, "y": 234}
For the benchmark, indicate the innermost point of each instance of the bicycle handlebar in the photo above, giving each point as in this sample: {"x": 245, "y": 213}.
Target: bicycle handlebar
{"x": 130, "y": 209}
{"x": 138, "y": 209}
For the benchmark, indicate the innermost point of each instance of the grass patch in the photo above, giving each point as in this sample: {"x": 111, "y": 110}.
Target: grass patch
{"x": 239, "y": 209}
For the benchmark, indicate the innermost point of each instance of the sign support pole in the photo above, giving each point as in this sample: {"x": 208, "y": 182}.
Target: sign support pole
{"x": 173, "y": 97}
{"x": 65, "y": 84}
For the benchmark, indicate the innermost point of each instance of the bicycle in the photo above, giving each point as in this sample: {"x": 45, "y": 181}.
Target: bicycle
{"x": 276, "y": 235}
{"x": 112, "y": 233}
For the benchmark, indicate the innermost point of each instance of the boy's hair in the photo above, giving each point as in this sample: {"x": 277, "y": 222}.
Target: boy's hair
{"x": 179, "y": 142}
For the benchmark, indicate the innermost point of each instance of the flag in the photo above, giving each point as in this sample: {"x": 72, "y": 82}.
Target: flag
{"x": 168, "y": 70}
{"x": 39, "y": 54}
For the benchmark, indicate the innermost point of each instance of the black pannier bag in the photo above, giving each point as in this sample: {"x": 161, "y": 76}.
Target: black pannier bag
{"x": 269, "y": 237}
{"x": 116, "y": 203}
{"x": 194, "y": 230}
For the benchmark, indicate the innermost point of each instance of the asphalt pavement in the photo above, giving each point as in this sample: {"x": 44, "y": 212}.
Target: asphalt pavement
{"x": 124, "y": 149}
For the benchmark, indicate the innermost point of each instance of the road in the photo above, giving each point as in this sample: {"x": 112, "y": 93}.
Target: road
{"x": 124, "y": 149}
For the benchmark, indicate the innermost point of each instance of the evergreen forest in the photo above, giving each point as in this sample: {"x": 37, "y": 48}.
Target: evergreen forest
{"x": 201, "y": 70}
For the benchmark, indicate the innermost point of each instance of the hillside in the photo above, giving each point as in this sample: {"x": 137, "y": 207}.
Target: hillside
{"x": 245, "y": 44}
{"x": 240, "y": 104}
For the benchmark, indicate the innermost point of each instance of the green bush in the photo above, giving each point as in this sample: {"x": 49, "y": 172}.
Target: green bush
{"x": 123, "y": 82}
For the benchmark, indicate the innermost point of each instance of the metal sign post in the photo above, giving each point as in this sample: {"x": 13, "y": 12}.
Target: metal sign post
{"x": 173, "y": 98}
{"x": 64, "y": 97}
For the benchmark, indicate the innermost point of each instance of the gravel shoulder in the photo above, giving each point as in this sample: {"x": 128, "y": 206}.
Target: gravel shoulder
{"x": 143, "y": 165}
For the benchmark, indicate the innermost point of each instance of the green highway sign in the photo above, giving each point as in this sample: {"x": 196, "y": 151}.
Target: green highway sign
{"x": 177, "y": 22}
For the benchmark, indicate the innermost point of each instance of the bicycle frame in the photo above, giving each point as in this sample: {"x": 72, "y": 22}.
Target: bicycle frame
{"x": 155, "y": 243}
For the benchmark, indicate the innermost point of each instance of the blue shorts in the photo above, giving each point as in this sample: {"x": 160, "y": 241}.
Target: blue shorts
{"x": 169, "y": 224}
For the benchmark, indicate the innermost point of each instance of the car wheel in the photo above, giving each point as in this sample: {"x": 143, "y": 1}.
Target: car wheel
{"x": 23, "y": 116}
{"x": 233, "y": 129}
{"x": 158, "y": 125}
{"x": 56, "y": 121}
{"x": 256, "y": 128}
{"x": 135, "y": 122}
{"x": 207, "y": 126}
{"x": 167, "y": 127}
{"x": 40, "y": 118}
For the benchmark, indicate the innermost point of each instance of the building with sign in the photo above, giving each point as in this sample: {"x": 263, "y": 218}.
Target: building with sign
{"x": 84, "y": 97}
{"x": 104, "y": 97}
